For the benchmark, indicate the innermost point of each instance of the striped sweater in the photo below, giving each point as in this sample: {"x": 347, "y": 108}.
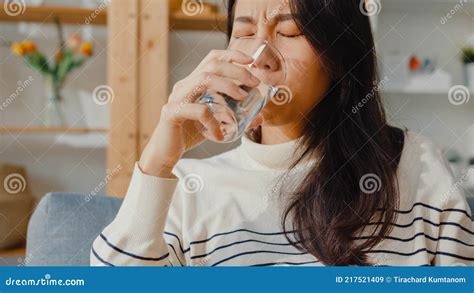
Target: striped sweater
{"x": 226, "y": 211}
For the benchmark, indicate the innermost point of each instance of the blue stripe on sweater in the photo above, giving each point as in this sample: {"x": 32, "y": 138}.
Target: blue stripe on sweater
{"x": 101, "y": 259}
{"x": 131, "y": 254}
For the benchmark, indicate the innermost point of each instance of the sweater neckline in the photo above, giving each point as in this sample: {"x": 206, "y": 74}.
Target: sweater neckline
{"x": 271, "y": 156}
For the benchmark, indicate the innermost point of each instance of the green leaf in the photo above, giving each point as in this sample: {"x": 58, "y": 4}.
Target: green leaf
{"x": 468, "y": 55}
{"x": 64, "y": 67}
{"x": 43, "y": 64}
{"x": 38, "y": 62}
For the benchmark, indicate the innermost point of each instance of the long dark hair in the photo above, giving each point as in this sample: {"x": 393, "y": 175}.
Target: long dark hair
{"x": 349, "y": 136}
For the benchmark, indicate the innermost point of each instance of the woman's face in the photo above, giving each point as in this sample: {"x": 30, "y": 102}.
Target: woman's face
{"x": 306, "y": 78}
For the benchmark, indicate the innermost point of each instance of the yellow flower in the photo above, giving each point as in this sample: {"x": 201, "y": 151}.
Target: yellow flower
{"x": 87, "y": 49}
{"x": 29, "y": 46}
{"x": 18, "y": 49}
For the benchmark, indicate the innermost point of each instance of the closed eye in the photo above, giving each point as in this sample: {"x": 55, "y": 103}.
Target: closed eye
{"x": 243, "y": 33}
{"x": 290, "y": 35}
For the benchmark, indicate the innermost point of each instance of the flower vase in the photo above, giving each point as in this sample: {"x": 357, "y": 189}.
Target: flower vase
{"x": 53, "y": 114}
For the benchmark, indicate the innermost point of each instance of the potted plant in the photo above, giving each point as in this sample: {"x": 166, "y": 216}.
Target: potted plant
{"x": 468, "y": 61}
{"x": 70, "y": 55}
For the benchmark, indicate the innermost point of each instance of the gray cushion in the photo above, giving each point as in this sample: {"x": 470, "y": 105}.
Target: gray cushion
{"x": 63, "y": 226}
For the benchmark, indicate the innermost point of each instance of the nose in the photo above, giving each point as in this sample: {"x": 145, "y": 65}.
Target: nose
{"x": 268, "y": 60}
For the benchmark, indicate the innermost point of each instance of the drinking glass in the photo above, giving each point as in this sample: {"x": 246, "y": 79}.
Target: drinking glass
{"x": 236, "y": 116}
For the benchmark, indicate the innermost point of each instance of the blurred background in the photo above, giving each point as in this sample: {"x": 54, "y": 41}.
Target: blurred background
{"x": 59, "y": 113}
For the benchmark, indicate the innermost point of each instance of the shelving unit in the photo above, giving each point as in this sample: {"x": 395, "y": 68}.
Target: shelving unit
{"x": 426, "y": 5}
{"x": 396, "y": 91}
{"x": 179, "y": 21}
{"x": 48, "y": 14}
{"x": 140, "y": 80}
{"x": 441, "y": 17}
{"x": 79, "y": 16}
{"x": 49, "y": 130}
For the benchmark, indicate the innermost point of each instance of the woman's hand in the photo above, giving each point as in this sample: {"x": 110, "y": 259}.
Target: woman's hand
{"x": 177, "y": 131}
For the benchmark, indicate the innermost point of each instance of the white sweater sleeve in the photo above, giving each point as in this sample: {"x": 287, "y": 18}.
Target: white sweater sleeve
{"x": 137, "y": 236}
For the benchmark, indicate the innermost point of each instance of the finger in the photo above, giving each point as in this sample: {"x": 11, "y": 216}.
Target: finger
{"x": 230, "y": 56}
{"x": 199, "y": 113}
{"x": 226, "y": 86}
{"x": 233, "y": 71}
{"x": 188, "y": 90}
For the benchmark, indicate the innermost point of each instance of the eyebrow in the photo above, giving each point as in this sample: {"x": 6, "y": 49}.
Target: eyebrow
{"x": 245, "y": 19}
{"x": 276, "y": 18}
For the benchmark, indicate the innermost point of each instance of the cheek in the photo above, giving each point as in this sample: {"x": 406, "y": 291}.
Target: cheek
{"x": 306, "y": 77}
{"x": 307, "y": 81}
{"x": 301, "y": 62}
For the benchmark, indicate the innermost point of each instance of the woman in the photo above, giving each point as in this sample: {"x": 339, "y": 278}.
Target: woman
{"x": 322, "y": 180}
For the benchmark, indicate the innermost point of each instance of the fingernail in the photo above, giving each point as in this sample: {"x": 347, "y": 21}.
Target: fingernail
{"x": 243, "y": 92}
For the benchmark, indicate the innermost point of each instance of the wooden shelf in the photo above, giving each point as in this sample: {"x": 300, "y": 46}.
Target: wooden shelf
{"x": 216, "y": 22}
{"x": 79, "y": 16}
{"x": 47, "y": 14}
{"x": 48, "y": 130}
{"x": 13, "y": 252}
{"x": 401, "y": 91}
{"x": 443, "y": 6}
